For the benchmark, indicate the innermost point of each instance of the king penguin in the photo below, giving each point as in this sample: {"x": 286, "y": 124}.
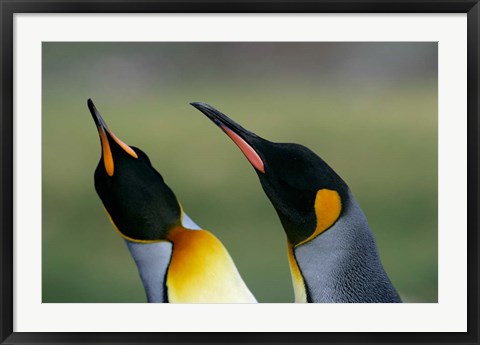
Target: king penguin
{"x": 332, "y": 253}
{"x": 177, "y": 261}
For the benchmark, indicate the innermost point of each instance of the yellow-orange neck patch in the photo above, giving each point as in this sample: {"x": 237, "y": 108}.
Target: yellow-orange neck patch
{"x": 328, "y": 206}
{"x": 202, "y": 271}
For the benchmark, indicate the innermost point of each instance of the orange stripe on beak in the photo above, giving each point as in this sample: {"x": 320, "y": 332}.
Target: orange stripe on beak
{"x": 247, "y": 150}
{"x": 107, "y": 152}
{"x": 103, "y": 130}
{"x": 124, "y": 146}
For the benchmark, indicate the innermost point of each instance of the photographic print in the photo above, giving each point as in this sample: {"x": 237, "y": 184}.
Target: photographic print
{"x": 239, "y": 172}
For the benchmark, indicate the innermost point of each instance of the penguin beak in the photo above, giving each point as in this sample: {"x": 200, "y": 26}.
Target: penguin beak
{"x": 106, "y": 138}
{"x": 240, "y": 136}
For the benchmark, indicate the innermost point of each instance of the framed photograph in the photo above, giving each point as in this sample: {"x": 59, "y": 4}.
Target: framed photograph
{"x": 327, "y": 151}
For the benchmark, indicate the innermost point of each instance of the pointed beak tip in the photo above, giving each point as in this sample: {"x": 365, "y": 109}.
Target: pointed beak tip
{"x": 207, "y": 110}
{"x": 91, "y": 107}
{"x": 90, "y": 103}
{"x": 95, "y": 114}
{"x": 200, "y": 105}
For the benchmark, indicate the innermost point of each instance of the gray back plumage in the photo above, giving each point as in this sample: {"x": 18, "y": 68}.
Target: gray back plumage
{"x": 342, "y": 265}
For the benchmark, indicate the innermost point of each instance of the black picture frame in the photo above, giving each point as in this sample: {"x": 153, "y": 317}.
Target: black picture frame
{"x": 10, "y": 7}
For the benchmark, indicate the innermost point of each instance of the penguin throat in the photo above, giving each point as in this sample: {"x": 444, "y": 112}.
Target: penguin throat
{"x": 131, "y": 239}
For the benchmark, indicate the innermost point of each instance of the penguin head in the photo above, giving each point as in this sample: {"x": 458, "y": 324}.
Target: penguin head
{"x": 139, "y": 203}
{"x": 305, "y": 191}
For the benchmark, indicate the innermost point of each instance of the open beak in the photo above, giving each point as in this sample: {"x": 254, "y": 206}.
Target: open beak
{"x": 106, "y": 138}
{"x": 240, "y": 136}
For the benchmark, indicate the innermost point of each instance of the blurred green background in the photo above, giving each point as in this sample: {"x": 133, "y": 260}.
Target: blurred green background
{"x": 368, "y": 109}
